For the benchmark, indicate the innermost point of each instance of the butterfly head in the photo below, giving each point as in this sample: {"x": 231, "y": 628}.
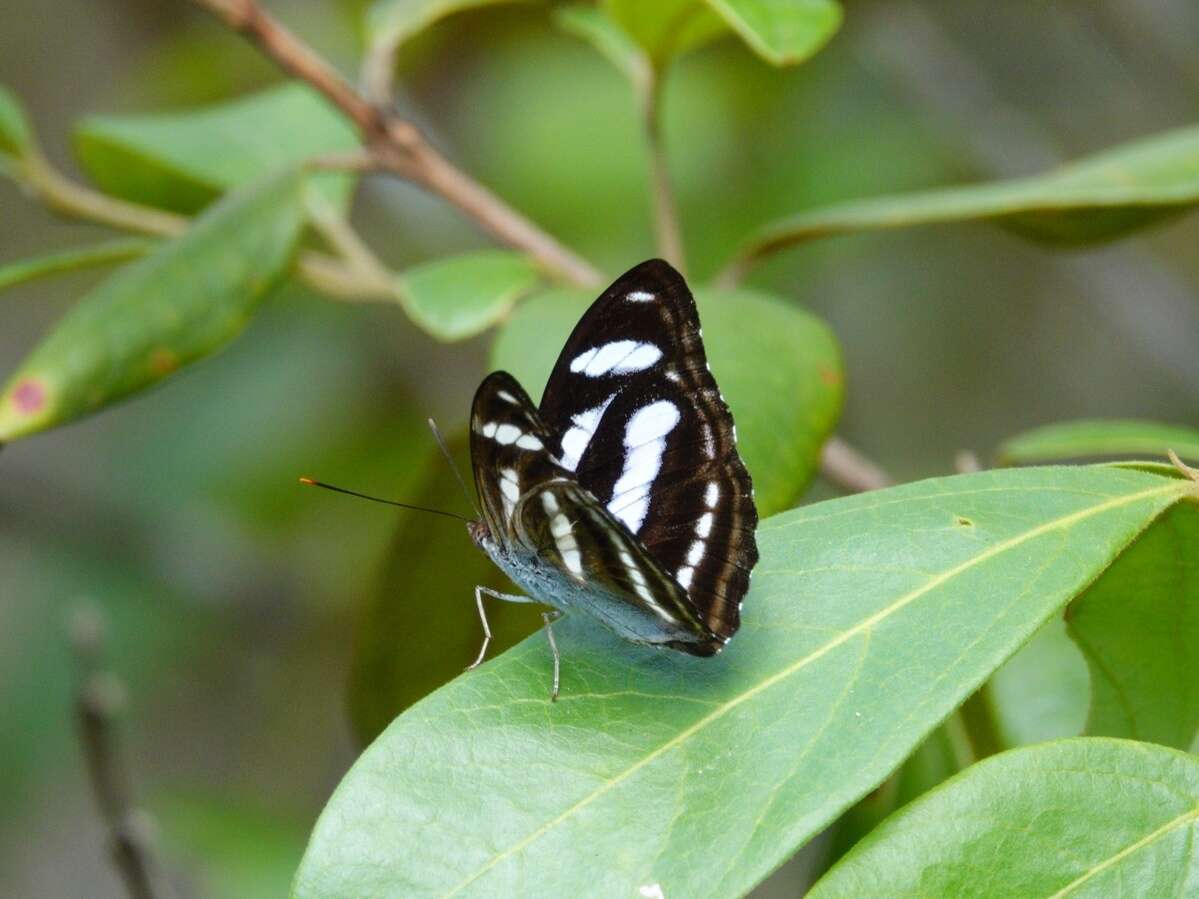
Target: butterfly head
{"x": 479, "y": 533}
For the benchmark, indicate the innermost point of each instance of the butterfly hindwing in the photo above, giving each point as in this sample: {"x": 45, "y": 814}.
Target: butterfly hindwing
{"x": 509, "y": 449}
{"x": 565, "y": 526}
{"x": 638, "y": 419}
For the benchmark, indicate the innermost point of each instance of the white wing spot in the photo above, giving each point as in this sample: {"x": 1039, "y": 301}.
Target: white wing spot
{"x": 617, "y": 357}
{"x": 645, "y": 437}
{"x": 712, "y": 494}
{"x": 529, "y": 442}
{"x": 695, "y": 554}
{"x": 576, "y": 438}
{"x": 639, "y": 296}
{"x": 489, "y": 429}
{"x": 505, "y": 396}
{"x": 549, "y": 502}
{"x": 510, "y": 488}
{"x": 684, "y": 576}
{"x": 704, "y": 527}
{"x": 506, "y": 434}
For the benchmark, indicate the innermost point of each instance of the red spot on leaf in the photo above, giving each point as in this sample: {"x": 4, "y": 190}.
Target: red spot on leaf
{"x": 830, "y": 377}
{"x": 29, "y": 396}
{"x": 163, "y": 361}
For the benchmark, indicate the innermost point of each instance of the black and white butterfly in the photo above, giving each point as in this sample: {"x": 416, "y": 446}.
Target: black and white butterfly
{"x": 622, "y": 496}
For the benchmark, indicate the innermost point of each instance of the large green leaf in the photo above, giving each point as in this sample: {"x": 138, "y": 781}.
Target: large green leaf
{"x": 461, "y": 296}
{"x": 107, "y": 253}
{"x": 419, "y": 628}
{"x": 870, "y": 619}
{"x": 1092, "y": 199}
{"x": 784, "y": 410}
{"x": 391, "y": 22}
{"x": 183, "y": 160}
{"x": 1078, "y": 817}
{"x": 181, "y": 303}
{"x": 1041, "y": 693}
{"x": 1138, "y": 627}
{"x": 16, "y": 137}
{"x": 1090, "y": 438}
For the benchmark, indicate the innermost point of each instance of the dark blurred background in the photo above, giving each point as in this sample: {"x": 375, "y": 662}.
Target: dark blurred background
{"x": 231, "y": 594}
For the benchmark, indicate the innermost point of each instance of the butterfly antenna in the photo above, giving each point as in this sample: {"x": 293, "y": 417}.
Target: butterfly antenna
{"x": 310, "y": 482}
{"x": 445, "y": 451}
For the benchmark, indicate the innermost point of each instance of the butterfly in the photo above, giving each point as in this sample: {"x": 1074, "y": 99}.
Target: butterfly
{"x": 622, "y": 495}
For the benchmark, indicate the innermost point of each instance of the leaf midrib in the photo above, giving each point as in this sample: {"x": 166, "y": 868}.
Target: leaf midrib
{"x": 1184, "y": 818}
{"x": 862, "y": 627}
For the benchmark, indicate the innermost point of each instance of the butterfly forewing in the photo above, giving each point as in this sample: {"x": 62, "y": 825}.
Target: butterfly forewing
{"x": 638, "y": 419}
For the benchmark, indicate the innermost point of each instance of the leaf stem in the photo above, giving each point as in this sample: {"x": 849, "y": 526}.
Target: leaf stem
{"x": 398, "y": 145}
{"x": 99, "y": 695}
{"x": 666, "y": 214}
{"x": 849, "y": 468}
{"x": 336, "y": 278}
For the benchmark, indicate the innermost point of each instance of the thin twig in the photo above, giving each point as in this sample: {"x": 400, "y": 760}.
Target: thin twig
{"x": 399, "y": 146}
{"x": 846, "y": 467}
{"x": 99, "y": 697}
{"x": 320, "y": 271}
{"x": 666, "y": 213}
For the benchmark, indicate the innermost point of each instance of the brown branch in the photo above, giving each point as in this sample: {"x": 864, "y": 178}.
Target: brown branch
{"x": 99, "y": 697}
{"x": 398, "y": 145}
{"x": 846, "y": 467}
{"x": 666, "y": 212}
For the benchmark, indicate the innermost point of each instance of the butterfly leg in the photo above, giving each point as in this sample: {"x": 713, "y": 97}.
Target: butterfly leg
{"x": 479, "y": 591}
{"x": 549, "y": 618}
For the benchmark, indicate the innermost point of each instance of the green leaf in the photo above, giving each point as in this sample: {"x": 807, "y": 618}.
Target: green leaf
{"x": 1078, "y": 817}
{"x": 1093, "y": 199}
{"x": 1041, "y": 693}
{"x": 784, "y": 410}
{"x": 666, "y": 28}
{"x": 1138, "y": 627}
{"x": 462, "y": 296}
{"x": 391, "y": 22}
{"x": 870, "y": 619}
{"x": 183, "y": 160}
{"x": 181, "y": 303}
{"x": 946, "y": 752}
{"x": 593, "y": 25}
{"x": 232, "y": 849}
{"x": 427, "y": 587}
{"x": 106, "y": 253}
{"x": 782, "y": 32}
{"x": 16, "y": 137}
{"x": 1090, "y": 438}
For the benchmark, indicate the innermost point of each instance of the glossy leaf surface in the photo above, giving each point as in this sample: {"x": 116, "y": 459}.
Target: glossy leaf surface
{"x": 1138, "y": 628}
{"x": 1079, "y": 817}
{"x": 870, "y": 619}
